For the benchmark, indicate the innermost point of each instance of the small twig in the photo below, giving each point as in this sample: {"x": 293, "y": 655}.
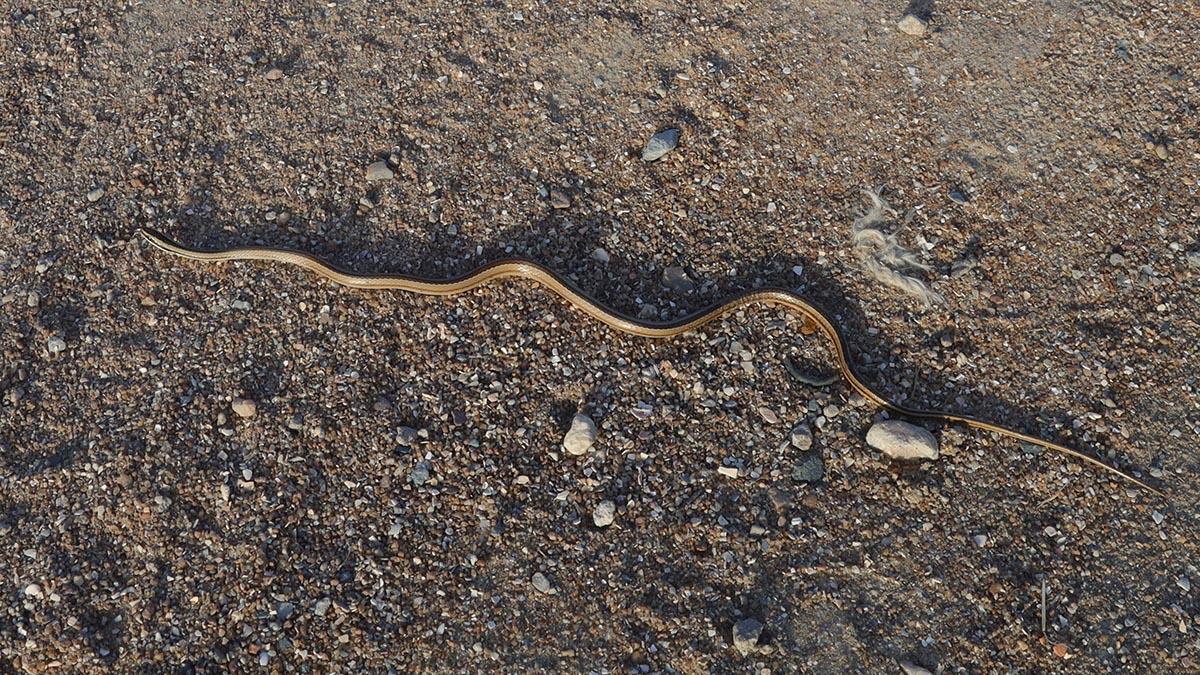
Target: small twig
{"x": 1043, "y": 606}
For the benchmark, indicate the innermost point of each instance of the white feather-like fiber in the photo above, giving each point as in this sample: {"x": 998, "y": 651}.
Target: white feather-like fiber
{"x": 881, "y": 254}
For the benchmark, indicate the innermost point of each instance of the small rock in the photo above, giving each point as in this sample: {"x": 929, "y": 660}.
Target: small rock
{"x": 605, "y": 513}
{"x": 559, "y": 199}
{"x": 768, "y": 415}
{"x": 745, "y": 636}
{"x": 379, "y": 171}
{"x": 296, "y": 422}
{"x": 676, "y": 279}
{"x": 275, "y": 74}
{"x": 541, "y": 584}
{"x": 33, "y": 591}
{"x": 406, "y": 436}
{"x": 1184, "y": 583}
{"x": 322, "y": 606}
{"x": 958, "y": 197}
{"x": 730, "y": 471}
{"x": 801, "y": 437}
{"x": 600, "y": 255}
{"x": 244, "y": 407}
{"x": 1160, "y": 149}
{"x": 1193, "y": 258}
{"x": 809, "y": 468}
{"x": 912, "y": 25}
{"x": 56, "y": 345}
{"x": 283, "y": 610}
{"x": 980, "y": 540}
{"x": 580, "y": 436}
{"x": 421, "y": 473}
{"x": 913, "y": 669}
{"x": 901, "y": 440}
{"x": 1158, "y": 518}
{"x": 1116, "y": 260}
{"x": 660, "y": 144}
{"x": 95, "y": 195}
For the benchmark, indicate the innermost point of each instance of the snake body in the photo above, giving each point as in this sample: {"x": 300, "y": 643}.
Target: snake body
{"x": 528, "y": 269}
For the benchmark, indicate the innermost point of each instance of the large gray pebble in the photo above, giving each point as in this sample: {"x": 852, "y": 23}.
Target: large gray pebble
{"x": 745, "y": 635}
{"x": 901, "y": 440}
{"x": 660, "y": 144}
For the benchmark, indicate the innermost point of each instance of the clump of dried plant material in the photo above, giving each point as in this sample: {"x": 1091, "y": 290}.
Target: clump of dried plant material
{"x": 881, "y": 254}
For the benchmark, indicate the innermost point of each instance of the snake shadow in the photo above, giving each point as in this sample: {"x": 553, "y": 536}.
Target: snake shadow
{"x": 566, "y": 240}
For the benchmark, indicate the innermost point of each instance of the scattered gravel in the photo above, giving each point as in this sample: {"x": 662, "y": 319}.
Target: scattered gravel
{"x": 900, "y": 440}
{"x": 166, "y": 533}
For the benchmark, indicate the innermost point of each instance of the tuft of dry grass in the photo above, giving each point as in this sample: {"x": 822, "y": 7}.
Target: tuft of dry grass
{"x": 881, "y": 254}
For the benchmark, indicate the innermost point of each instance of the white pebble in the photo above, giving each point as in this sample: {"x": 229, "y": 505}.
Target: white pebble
{"x": 580, "y": 436}
{"x": 605, "y": 513}
{"x": 900, "y": 440}
{"x": 56, "y": 345}
{"x": 244, "y": 407}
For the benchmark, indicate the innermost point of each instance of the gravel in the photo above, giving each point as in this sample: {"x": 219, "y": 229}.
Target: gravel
{"x": 123, "y": 469}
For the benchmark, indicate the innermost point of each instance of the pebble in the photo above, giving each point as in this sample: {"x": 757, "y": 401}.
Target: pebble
{"x": 33, "y": 591}
{"x": 958, "y": 197}
{"x": 912, "y": 25}
{"x": 406, "y": 436}
{"x": 980, "y": 540}
{"x": 95, "y": 195}
{"x": 745, "y": 636}
{"x": 913, "y": 669}
{"x": 809, "y": 468}
{"x": 730, "y": 471}
{"x": 768, "y": 415}
{"x": 1184, "y": 583}
{"x": 322, "y": 606}
{"x": 600, "y": 255}
{"x": 296, "y": 423}
{"x": 660, "y": 144}
{"x": 1160, "y": 150}
{"x": 676, "y": 279}
{"x": 559, "y": 199}
{"x": 900, "y": 440}
{"x": 284, "y": 609}
{"x": 801, "y": 437}
{"x": 56, "y": 345}
{"x": 275, "y": 74}
{"x": 420, "y": 473}
{"x": 1116, "y": 260}
{"x": 541, "y": 584}
{"x": 244, "y": 407}
{"x": 580, "y": 436}
{"x": 379, "y": 171}
{"x": 605, "y": 513}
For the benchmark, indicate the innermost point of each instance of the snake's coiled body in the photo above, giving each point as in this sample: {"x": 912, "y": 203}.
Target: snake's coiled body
{"x": 527, "y": 269}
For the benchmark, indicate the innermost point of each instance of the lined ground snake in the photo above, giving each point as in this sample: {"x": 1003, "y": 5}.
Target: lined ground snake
{"x": 527, "y": 269}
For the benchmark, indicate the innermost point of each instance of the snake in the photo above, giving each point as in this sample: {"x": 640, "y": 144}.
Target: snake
{"x": 530, "y": 270}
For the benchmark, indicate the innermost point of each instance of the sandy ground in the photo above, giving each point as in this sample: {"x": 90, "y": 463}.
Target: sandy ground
{"x": 399, "y": 501}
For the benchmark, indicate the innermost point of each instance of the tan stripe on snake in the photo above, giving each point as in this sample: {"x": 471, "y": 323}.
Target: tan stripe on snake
{"x": 527, "y": 269}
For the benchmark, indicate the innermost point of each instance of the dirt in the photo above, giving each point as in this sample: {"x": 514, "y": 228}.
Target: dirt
{"x": 244, "y": 468}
